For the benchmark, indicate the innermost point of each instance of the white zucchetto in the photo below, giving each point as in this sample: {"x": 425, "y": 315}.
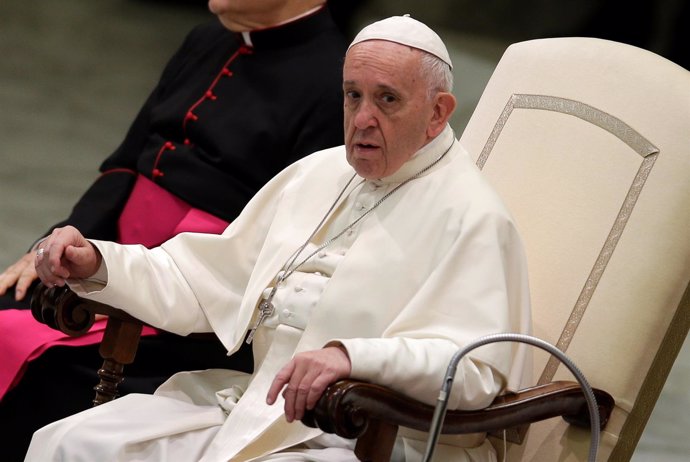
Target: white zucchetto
{"x": 405, "y": 31}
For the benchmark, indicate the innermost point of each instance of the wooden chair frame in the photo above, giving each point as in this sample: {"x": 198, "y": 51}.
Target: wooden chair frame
{"x": 62, "y": 309}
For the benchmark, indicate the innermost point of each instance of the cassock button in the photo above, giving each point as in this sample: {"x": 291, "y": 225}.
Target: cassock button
{"x": 298, "y": 289}
{"x": 287, "y": 313}
{"x": 322, "y": 254}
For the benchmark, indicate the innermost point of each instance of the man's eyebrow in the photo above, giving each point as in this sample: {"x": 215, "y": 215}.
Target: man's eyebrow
{"x": 387, "y": 88}
{"x": 378, "y": 87}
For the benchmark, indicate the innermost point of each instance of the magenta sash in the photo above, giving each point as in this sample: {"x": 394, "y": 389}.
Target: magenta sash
{"x": 151, "y": 216}
{"x": 24, "y": 339}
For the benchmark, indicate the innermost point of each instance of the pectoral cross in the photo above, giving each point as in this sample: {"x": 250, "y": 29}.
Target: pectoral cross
{"x": 265, "y": 310}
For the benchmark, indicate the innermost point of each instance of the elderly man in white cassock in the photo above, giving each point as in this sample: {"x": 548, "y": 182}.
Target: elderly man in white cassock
{"x": 375, "y": 260}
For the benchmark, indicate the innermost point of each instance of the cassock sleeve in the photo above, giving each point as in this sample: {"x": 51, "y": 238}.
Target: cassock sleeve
{"x": 174, "y": 287}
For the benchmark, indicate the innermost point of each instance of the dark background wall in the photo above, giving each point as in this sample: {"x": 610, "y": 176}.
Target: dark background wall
{"x": 661, "y": 26}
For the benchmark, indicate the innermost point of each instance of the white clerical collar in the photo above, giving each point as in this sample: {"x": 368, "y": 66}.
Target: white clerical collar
{"x": 422, "y": 158}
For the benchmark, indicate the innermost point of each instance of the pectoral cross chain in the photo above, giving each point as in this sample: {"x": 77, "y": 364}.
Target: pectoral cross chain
{"x": 265, "y": 310}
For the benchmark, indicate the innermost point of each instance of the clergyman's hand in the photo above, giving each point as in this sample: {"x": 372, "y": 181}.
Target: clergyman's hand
{"x": 22, "y": 273}
{"x": 306, "y": 377}
{"x": 66, "y": 254}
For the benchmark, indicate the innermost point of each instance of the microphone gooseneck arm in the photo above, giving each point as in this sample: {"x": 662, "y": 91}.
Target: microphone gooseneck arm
{"x": 442, "y": 401}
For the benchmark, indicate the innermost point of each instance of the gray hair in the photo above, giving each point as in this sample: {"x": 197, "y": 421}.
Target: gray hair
{"x": 437, "y": 74}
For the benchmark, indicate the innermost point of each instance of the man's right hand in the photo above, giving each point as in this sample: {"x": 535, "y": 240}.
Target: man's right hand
{"x": 22, "y": 273}
{"x": 66, "y": 254}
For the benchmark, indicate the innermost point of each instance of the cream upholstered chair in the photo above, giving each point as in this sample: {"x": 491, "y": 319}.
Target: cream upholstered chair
{"x": 588, "y": 142}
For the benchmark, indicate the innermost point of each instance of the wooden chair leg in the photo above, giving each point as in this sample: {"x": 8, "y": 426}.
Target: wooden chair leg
{"x": 110, "y": 375}
{"x": 118, "y": 348}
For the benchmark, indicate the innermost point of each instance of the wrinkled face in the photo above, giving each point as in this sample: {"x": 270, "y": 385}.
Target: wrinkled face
{"x": 387, "y": 110}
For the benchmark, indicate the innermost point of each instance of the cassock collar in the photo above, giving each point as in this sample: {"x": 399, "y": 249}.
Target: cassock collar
{"x": 422, "y": 158}
{"x": 291, "y": 33}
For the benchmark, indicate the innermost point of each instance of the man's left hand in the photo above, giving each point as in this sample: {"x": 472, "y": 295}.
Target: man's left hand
{"x": 306, "y": 377}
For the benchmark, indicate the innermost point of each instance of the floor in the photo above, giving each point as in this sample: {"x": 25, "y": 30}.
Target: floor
{"x": 72, "y": 76}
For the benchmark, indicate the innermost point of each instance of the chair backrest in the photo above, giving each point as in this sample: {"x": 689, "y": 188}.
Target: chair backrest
{"x": 588, "y": 142}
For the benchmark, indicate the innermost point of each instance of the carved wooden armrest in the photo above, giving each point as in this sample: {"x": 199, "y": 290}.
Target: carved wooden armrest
{"x": 372, "y": 413}
{"x": 62, "y": 309}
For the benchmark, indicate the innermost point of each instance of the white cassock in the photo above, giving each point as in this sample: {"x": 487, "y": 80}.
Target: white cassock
{"x": 436, "y": 265}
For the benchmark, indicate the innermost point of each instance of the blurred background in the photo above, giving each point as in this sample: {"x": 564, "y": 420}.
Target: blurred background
{"x": 73, "y": 74}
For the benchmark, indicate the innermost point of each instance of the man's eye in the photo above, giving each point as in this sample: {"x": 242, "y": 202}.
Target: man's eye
{"x": 388, "y": 99}
{"x": 352, "y": 94}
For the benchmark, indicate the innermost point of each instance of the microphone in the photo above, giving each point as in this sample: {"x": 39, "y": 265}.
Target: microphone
{"x": 442, "y": 401}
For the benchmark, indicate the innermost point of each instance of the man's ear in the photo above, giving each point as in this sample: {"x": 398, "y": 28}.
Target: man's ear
{"x": 444, "y": 105}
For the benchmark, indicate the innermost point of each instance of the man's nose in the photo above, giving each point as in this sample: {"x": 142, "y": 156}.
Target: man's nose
{"x": 365, "y": 116}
